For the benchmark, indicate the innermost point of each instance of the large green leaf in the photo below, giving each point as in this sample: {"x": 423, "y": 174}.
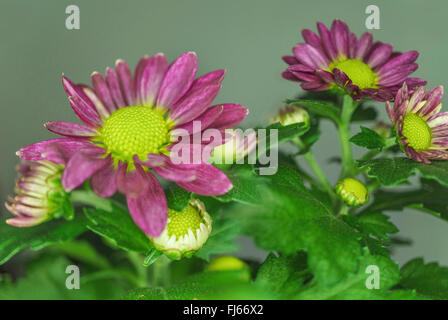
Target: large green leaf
{"x": 205, "y": 285}
{"x": 13, "y": 239}
{"x": 353, "y": 285}
{"x": 431, "y": 198}
{"x": 394, "y": 171}
{"x": 368, "y": 138}
{"x": 373, "y": 223}
{"x": 284, "y": 275}
{"x": 291, "y": 218}
{"x": 324, "y": 109}
{"x": 429, "y": 280}
{"x": 118, "y": 226}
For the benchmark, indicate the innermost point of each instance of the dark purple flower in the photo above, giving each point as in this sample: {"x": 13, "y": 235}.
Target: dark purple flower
{"x": 361, "y": 67}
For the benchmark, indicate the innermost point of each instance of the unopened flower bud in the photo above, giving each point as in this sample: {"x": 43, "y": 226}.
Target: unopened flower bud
{"x": 383, "y": 129}
{"x": 237, "y": 146}
{"x": 292, "y": 114}
{"x": 186, "y": 231}
{"x": 40, "y": 195}
{"x": 352, "y": 192}
{"x": 229, "y": 263}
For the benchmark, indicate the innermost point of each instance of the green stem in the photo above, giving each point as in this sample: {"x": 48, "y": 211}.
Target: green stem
{"x": 141, "y": 270}
{"x": 90, "y": 198}
{"x": 348, "y": 107}
{"x": 161, "y": 272}
{"x": 314, "y": 166}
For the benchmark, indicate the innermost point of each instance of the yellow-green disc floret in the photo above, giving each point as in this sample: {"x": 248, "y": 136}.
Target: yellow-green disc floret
{"x": 181, "y": 222}
{"x": 417, "y": 132}
{"x": 133, "y": 131}
{"x": 359, "y": 72}
{"x": 352, "y": 192}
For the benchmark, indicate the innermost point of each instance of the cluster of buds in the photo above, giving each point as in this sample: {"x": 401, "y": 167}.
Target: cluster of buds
{"x": 292, "y": 114}
{"x": 39, "y": 194}
{"x": 238, "y": 145}
{"x": 186, "y": 231}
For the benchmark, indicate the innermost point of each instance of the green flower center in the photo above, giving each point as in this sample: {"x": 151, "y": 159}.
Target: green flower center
{"x": 359, "y": 72}
{"x": 180, "y": 222}
{"x": 417, "y": 132}
{"x": 133, "y": 131}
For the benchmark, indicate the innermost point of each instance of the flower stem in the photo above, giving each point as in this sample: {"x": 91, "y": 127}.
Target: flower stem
{"x": 90, "y": 198}
{"x": 314, "y": 166}
{"x": 348, "y": 107}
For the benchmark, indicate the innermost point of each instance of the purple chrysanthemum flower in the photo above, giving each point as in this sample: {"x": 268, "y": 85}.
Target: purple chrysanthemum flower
{"x": 130, "y": 125}
{"x": 421, "y": 128}
{"x": 39, "y": 193}
{"x": 363, "y": 68}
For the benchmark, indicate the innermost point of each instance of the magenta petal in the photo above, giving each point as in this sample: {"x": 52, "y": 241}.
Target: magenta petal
{"x": 102, "y": 91}
{"x": 401, "y": 59}
{"x": 81, "y": 104}
{"x": 205, "y": 119}
{"x": 178, "y": 80}
{"x": 99, "y": 106}
{"x": 290, "y": 60}
{"x": 133, "y": 182}
{"x": 168, "y": 170}
{"x": 379, "y": 56}
{"x": 289, "y": 76}
{"x": 149, "y": 209}
{"x": 208, "y": 79}
{"x": 126, "y": 81}
{"x": 340, "y": 35}
{"x": 114, "y": 87}
{"x": 151, "y": 78}
{"x": 194, "y": 104}
{"x": 312, "y": 39}
{"x": 209, "y": 181}
{"x": 82, "y": 165}
{"x": 310, "y": 56}
{"x": 231, "y": 115}
{"x": 363, "y": 46}
{"x": 64, "y": 148}
{"x": 70, "y": 129}
{"x": 104, "y": 182}
{"x": 326, "y": 41}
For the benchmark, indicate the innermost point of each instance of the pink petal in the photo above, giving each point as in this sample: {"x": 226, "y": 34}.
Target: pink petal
{"x": 177, "y": 80}
{"x": 340, "y": 35}
{"x": 114, "y": 87}
{"x": 149, "y": 209}
{"x": 126, "y": 81}
{"x": 209, "y": 181}
{"x": 104, "y": 182}
{"x": 205, "y": 119}
{"x": 310, "y": 56}
{"x": 81, "y": 104}
{"x": 326, "y": 41}
{"x": 208, "y": 79}
{"x": 194, "y": 104}
{"x": 168, "y": 170}
{"x": 151, "y": 78}
{"x": 231, "y": 115}
{"x": 102, "y": 91}
{"x": 56, "y": 150}
{"x": 82, "y": 165}
{"x": 379, "y": 56}
{"x": 70, "y": 129}
{"x": 363, "y": 46}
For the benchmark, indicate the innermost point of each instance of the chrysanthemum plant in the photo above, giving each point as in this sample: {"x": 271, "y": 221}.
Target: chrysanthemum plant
{"x": 323, "y": 239}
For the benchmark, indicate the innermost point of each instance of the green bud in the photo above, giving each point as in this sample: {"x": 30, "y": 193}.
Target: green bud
{"x": 292, "y": 114}
{"x": 352, "y": 192}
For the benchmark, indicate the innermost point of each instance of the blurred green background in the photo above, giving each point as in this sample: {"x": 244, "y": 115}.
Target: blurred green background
{"x": 247, "y": 38}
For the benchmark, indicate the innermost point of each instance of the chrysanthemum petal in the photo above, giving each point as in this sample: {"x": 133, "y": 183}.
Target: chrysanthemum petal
{"x": 70, "y": 129}
{"x": 205, "y": 120}
{"x": 290, "y": 60}
{"x": 379, "y": 55}
{"x": 178, "y": 80}
{"x": 126, "y": 81}
{"x": 396, "y": 75}
{"x": 82, "y": 165}
{"x": 194, "y": 104}
{"x": 65, "y": 149}
{"x": 208, "y": 79}
{"x": 326, "y": 41}
{"x": 81, "y": 104}
{"x": 104, "y": 182}
{"x": 151, "y": 78}
{"x": 340, "y": 35}
{"x": 310, "y": 56}
{"x": 25, "y": 221}
{"x": 164, "y": 167}
{"x": 363, "y": 46}
{"x": 102, "y": 91}
{"x": 209, "y": 181}
{"x": 115, "y": 88}
{"x": 433, "y": 101}
{"x": 400, "y": 59}
{"x": 231, "y": 115}
{"x": 149, "y": 209}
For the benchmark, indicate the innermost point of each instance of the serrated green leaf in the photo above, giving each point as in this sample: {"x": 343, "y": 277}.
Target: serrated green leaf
{"x": 430, "y": 198}
{"x": 290, "y": 219}
{"x": 324, "y": 109}
{"x": 177, "y": 197}
{"x": 394, "y": 171}
{"x": 375, "y": 224}
{"x": 284, "y": 275}
{"x": 353, "y": 286}
{"x": 118, "y": 226}
{"x": 429, "y": 280}
{"x": 368, "y": 138}
{"x": 13, "y": 239}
